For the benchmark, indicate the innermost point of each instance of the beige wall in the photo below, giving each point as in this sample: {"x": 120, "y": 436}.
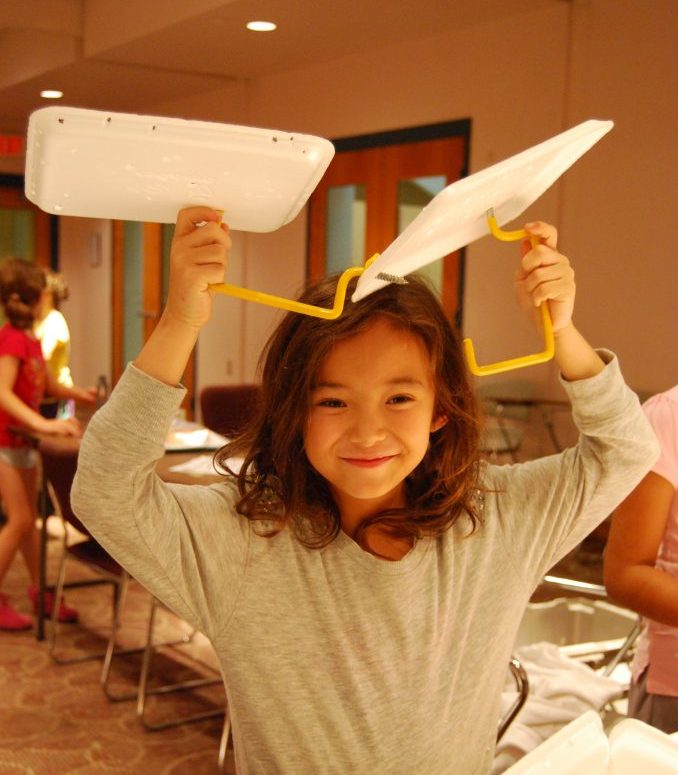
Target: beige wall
{"x": 85, "y": 260}
{"x": 520, "y": 84}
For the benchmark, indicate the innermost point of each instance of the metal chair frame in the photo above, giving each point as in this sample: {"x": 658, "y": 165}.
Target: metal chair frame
{"x": 523, "y": 686}
{"x": 110, "y": 572}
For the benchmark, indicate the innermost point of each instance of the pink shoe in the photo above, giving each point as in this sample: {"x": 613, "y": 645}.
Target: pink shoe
{"x": 11, "y": 619}
{"x": 67, "y": 615}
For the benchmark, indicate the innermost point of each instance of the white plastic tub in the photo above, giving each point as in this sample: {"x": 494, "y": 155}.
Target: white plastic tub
{"x": 580, "y": 627}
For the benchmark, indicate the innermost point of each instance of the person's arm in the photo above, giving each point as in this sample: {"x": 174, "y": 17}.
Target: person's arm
{"x": 545, "y": 275}
{"x": 198, "y": 258}
{"x": 156, "y": 530}
{"x": 64, "y": 392}
{"x": 636, "y": 533}
{"x": 14, "y": 406}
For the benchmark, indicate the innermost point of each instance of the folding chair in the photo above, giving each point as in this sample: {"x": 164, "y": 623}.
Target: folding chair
{"x": 59, "y": 467}
{"x": 59, "y": 463}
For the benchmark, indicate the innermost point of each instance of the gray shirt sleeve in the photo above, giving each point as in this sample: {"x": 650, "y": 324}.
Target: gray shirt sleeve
{"x": 156, "y": 530}
{"x": 549, "y": 505}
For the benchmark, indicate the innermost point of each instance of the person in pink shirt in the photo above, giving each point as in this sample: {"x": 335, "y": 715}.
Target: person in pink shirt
{"x": 641, "y": 571}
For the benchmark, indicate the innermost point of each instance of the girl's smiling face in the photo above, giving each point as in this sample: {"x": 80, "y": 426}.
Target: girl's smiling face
{"x": 370, "y": 417}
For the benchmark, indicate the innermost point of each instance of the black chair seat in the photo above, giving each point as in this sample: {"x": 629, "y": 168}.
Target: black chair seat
{"x": 92, "y": 553}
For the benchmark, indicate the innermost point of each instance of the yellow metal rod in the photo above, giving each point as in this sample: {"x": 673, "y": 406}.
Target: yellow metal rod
{"x": 296, "y": 306}
{"x": 526, "y": 360}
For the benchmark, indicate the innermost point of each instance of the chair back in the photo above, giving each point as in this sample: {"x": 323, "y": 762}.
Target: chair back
{"x": 227, "y": 409}
{"x": 59, "y": 464}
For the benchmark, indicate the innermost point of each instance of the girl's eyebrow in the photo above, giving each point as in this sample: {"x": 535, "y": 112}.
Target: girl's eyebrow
{"x": 394, "y": 382}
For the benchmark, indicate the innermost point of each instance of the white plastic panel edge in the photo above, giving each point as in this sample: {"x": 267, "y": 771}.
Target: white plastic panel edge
{"x": 457, "y": 215}
{"x": 135, "y": 167}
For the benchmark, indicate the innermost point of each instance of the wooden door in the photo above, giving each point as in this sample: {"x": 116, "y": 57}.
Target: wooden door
{"x": 383, "y": 187}
{"x": 140, "y": 276}
{"x": 25, "y": 230}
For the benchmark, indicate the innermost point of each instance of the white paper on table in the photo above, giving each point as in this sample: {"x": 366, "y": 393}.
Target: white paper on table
{"x": 184, "y": 436}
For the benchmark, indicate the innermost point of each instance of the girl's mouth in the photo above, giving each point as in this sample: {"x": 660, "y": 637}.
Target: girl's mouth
{"x": 368, "y": 462}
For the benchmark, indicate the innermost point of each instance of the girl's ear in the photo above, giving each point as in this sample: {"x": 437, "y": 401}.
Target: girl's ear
{"x": 438, "y": 422}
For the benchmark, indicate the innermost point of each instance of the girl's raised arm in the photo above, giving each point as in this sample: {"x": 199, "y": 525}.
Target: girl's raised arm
{"x": 545, "y": 275}
{"x": 198, "y": 258}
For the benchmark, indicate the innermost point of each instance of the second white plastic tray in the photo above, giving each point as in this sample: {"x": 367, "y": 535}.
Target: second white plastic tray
{"x": 145, "y": 168}
{"x": 457, "y": 215}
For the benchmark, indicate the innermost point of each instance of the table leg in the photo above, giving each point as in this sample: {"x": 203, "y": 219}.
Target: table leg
{"x": 42, "y": 570}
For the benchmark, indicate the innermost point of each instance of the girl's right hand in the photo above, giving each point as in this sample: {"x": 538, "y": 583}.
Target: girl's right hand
{"x": 198, "y": 258}
{"x": 69, "y": 427}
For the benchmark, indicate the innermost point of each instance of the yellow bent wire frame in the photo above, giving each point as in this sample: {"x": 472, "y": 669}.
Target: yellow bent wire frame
{"x": 297, "y": 306}
{"x": 525, "y": 360}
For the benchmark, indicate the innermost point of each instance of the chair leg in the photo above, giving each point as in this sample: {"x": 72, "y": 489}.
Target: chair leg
{"x": 523, "y": 686}
{"x": 223, "y": 742}
{"x": 144, "y": 692}
{"x": 56, "y": 602}
{"x": 120, "y": 592}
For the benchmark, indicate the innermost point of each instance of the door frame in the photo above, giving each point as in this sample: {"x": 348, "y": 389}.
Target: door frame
{"x": 152, "y": 268}
{"x": 12, "y": 196}
{"x": 459, "y": 128}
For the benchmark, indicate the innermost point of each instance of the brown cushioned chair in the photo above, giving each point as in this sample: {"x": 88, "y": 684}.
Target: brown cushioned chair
{"x": 227, "y": 409}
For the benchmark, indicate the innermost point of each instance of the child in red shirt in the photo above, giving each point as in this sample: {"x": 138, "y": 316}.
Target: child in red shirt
{"x": 23, "y": 382}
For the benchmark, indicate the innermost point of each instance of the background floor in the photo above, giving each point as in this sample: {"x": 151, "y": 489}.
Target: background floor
{"x": 55, "y": 719}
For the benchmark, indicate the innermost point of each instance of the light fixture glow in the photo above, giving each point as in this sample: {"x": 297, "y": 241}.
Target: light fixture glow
{"x": 51, "y": 94}
{"x": 261, "y": 26}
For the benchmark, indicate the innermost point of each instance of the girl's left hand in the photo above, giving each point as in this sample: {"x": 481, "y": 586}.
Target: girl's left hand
{"x": 545, "y": 275}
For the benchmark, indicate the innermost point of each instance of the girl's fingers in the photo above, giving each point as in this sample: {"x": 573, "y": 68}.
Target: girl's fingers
{"x": 208, "y": 274}
{"x": 207, "y": 233}
{"x": 546, "y": 274}
{"x": 539, "y": 258}
{"x": 189, "y": 217}
{"x": 209, "y": 254}
{"x": 551, "y": 290}
{"x": 547, "y": 234}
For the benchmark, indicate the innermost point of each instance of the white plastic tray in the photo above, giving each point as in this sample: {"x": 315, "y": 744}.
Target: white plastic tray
{"x": 457, "y": 215}
{"x": 145, "y": 168}
{"x": 582, "y": 748}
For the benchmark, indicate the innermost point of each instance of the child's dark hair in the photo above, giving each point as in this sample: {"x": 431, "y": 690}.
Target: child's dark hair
{"x": 21, "y": 286}
{"x": 279, "y": 486}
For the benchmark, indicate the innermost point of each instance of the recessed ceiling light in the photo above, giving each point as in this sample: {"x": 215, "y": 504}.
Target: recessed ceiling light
{"x": 51, "y": 94}
{"x": 261, "y": 26}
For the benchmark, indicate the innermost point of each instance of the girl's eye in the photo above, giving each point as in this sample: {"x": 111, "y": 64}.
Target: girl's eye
{"x": 331, "y": 403}
{"x": 402, "y": 399}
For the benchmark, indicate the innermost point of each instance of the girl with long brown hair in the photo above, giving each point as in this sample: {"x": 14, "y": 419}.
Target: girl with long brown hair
{"x": 363, "y": 576}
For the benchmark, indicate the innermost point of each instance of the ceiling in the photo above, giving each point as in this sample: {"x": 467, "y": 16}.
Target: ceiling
{"x": 127, "y": 55}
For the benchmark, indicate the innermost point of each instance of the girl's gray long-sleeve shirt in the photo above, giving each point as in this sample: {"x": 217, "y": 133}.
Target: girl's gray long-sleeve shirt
{"x": 336, "y": 661}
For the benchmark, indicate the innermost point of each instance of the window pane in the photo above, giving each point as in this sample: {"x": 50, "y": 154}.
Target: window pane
{"x": 17, "y": 234}
{"x": 413, "y": 196}
{"x": 133, "y": 285}
{"x": 167, "y": 236}
{"x": 345, "y": 233}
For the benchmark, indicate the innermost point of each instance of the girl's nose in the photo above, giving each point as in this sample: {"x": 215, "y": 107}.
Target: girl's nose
{"x": 367, "y": 429}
